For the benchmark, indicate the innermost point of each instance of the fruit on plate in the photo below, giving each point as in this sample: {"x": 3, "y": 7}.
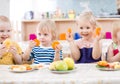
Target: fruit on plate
{"x": 70, "y": 63}
{"x": 117, "y": 67}
{"x": 54, "y": 44}
{"x": 61, "y": 66}
{"x": 28, "y": 67}
{"x": 52, "y": 65}
{"x": 18, "y": 68}
{"x": 23, "y": 67}
{"x": 103, "y": 63}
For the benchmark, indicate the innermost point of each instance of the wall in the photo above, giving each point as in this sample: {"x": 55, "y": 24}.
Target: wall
{"x": 97, "y": 6}
{"x": 4, "y": 7}
{"x": 108, "y": 6}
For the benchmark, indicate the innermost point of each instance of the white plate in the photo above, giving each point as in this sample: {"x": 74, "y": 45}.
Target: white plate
{"x": 108, "y": 69}
{"x": 19, "y": 71}
{"x": 63, "y": 72}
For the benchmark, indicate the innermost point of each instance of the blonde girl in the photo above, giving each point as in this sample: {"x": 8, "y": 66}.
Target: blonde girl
{"x": 87, "y": 49}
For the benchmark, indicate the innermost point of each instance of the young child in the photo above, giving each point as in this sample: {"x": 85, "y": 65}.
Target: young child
{"x": 87, "y": 49}
{"x": 11, "y": 55}
{"x": 113, "y": 53}
{"x": 46, "y": 33}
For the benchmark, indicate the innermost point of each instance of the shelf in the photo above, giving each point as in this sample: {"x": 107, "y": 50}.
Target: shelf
{"x": 37, "y": 20}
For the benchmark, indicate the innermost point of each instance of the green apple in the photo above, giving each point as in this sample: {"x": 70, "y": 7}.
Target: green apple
{"x": 52, "y": 65}
{"x": 70, "y": 63}
{"x": 61, "y": 66}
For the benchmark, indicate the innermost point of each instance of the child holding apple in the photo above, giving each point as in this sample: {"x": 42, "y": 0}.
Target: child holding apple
{"x": 88, "y": 48}
{"x": 46, "y": 34}
{"x": 10, "y": 52}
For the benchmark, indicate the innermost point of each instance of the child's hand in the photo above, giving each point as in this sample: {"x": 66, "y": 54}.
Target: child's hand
{"x": 58, "y": 48}
{"x": 69, "y": 36}
{"x": 57, "y": 52}
{"x": 13, "y": 50}
{"x": 3, "y": 49}
{"x": 32, "y": 44}
{"x": 101, "y": 36}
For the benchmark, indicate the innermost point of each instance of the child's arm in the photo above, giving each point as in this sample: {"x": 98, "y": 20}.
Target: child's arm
{"x": 97, "y": 47}
{"x": 57, "y": 52}
{"x": 97, "y": 50}
{"x": 16, "y": 56}
{"x": 75, "y": 53}
{"x": 28, "y": 50}
{"x": 110, "y": 55}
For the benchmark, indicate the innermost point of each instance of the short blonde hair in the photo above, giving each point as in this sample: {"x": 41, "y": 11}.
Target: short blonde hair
{"x": 115, "y": 29}
{"x": 5, "y": 21}
{"x": 47, "y": 25}
{"x": 87, "y": 16}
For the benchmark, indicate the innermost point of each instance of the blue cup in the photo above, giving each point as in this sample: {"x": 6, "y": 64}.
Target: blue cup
{"x": 77, "y": 36}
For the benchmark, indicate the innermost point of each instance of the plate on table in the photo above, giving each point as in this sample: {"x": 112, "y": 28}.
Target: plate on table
{"x": 106, "y": 68}
{"x": 63, "y": 72}
{"x": 21, "y": 71}
{"x": 21, "y": 68}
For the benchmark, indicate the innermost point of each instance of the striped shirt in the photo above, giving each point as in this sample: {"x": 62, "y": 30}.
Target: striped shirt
{"x": 43, "y": 55}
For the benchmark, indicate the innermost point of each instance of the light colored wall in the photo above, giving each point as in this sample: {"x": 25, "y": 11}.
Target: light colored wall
{"x": 4, "y": 7}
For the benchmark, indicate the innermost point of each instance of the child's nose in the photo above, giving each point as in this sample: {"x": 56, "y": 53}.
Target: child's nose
{"x": 42, "y": 36}
{"x": 4, "y": 33}
{"x": 84, "y": 30}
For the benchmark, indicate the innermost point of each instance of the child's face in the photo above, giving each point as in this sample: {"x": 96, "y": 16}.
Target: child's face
{"x": 85, "y": 29}
{"x": 45, "y": 38}
{"x": 5, "y": 32}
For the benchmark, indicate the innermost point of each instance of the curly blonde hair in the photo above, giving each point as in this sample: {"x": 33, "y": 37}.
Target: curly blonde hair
{"x": 47, "y": 25}
{"x": 87, "y": 16}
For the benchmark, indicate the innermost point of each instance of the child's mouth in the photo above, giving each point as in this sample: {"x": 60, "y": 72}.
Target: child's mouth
{"x": 4, "y": 38}
{"x": 85, "y": 35}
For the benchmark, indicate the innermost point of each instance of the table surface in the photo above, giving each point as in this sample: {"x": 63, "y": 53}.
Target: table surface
{"x": 84, "y": 74}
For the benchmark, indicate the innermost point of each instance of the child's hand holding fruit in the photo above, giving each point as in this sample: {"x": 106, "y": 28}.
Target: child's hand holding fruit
{"x": 57, "y": 47}
{"x": 99, "y": 34}
{"x": 31, "y": 44}
{"x": 69, "y": 36}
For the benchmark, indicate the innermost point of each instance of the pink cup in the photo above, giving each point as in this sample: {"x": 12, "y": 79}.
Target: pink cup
{"x": 32, "y": 36}
{"x": 108, "y": 35}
